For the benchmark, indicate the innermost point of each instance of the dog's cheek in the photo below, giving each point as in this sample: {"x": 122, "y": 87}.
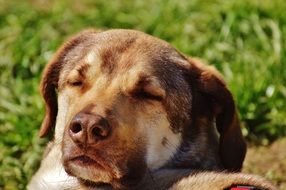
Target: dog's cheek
{"x": 161, "y": 142}
{"x": 135, "y": 168}
{"x": 63, "y": 108}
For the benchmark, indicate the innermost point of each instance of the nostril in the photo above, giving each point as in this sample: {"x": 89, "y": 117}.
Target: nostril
{"x": 99, "y": 132}
{"x": 76, "y": 128}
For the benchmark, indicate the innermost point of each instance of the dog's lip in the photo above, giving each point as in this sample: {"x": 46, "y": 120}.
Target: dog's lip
{"x": 85, "y": 160}
{"x": 126, "y": 181}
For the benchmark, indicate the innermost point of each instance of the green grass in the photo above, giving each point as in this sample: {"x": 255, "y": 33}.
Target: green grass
{"x": 244, "y": 39}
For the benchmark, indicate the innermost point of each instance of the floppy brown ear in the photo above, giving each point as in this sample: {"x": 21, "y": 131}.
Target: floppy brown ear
{"x": 232, "y": 147}
{"x": 48, "y": 88}
{"x": 50, "y": 78}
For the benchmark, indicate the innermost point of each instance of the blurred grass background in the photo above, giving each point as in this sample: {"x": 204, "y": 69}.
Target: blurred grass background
{"x": 244, "y": 39}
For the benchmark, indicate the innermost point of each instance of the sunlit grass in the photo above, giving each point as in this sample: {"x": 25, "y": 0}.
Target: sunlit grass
{"x": 244, "y": 39}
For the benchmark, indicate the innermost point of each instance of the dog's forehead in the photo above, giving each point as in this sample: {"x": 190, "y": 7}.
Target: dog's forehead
{"x": 120, "y": 52}
{"x": 126, "y": 48}
{"x": 115, "y": 43}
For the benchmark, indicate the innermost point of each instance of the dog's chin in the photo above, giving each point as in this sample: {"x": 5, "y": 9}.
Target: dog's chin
{"x": 91, "y": 173}
{"x": 127, "y": 182}
{"x": 86, "y": 168}
{"x": 103, "y": 179}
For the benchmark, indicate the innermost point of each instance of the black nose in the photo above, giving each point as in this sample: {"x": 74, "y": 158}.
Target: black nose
{"x": 88, "y": 128}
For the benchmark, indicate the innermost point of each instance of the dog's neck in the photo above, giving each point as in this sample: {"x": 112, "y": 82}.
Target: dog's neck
{"x": 200, "y": 147}
{"x": 160, "y": 180}
{"x": 163, "y": 178}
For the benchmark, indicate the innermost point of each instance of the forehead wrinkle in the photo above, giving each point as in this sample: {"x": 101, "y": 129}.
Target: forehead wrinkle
{"x": 82, "y": 69}
{"x": 112, "y": 56}
{"x": 128, "y": 78}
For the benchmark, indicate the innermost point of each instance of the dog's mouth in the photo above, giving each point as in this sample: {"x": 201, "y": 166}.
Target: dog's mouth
{"x": 84, "y": 160}
{"x": 82, "y": 163}
{"x": 97, "y": 166}
{"x": 86, "y": 166}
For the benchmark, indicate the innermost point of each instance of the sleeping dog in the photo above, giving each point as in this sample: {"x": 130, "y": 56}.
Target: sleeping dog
{"x": 128, "y": 110}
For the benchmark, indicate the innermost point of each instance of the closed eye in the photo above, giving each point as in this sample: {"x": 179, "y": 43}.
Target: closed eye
{"x": 143, "y": 95}
{"x": 75, "y": 83}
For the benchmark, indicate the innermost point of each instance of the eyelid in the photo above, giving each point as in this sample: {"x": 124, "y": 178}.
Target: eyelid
{"x": 141, "y": 94}
{"x": 75, "y": 83}
{"x": 77, "y": 76}
{"x": 148, "y": 88}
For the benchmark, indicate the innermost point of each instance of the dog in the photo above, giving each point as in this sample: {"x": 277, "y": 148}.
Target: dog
{"x": 127, "y": 107}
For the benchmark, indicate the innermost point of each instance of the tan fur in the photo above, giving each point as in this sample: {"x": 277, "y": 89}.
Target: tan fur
{"x": 220, "y": 181}
{"x": 162, "y": 111}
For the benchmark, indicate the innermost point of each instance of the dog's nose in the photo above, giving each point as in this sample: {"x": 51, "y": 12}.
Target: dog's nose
{"x": 88, "y": 128}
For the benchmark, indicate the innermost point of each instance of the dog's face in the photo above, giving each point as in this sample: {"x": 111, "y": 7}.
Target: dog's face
{"x": 127, "y": 102}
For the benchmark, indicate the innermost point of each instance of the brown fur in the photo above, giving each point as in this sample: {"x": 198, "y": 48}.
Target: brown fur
{"x": 155, "y": 100}
{"x": 49, "y": 82}
{"x": 220, "y": 181}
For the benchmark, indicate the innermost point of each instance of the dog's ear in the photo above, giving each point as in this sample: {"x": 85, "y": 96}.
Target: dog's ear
{"x": 48, "y": 87}
{"x": 219, "y": 104}
{"x": 50, "y": 78}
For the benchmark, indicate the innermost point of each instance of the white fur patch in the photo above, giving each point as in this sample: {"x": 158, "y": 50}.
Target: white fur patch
{"x": 90, "y": 173}
{"x": 51, "y": 175}
{"x": 158, "y": 153}
{"x": 91, "y": 57}
{"x": 63, "y": 104}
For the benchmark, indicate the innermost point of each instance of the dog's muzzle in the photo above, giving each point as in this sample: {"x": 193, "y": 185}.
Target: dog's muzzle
{"x": 89, "y": 129}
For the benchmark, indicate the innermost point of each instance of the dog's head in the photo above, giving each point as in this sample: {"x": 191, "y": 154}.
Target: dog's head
{"x": 124, "y": 102}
